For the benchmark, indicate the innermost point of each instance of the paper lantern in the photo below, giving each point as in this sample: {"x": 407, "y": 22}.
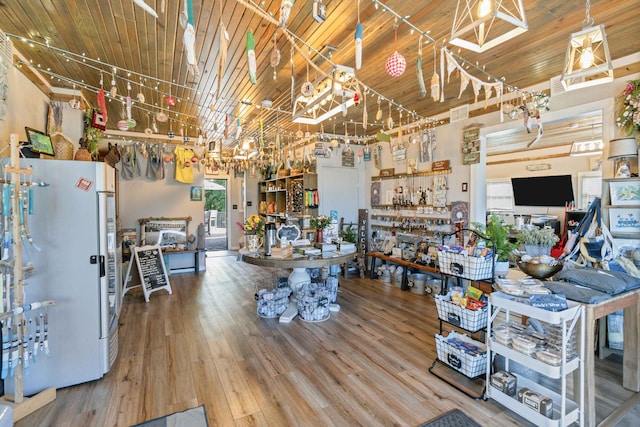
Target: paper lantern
{"x": 396, "y": 64}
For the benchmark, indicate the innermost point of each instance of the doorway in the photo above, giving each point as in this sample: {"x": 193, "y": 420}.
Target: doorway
{"x": 215, "y": 215}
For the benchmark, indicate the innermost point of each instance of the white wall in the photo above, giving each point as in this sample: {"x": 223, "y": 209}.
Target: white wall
{"x": 27, "y": 106}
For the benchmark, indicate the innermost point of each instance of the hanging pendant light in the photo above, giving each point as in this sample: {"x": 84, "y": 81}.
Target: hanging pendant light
{"x": 587, "y": 62}
{"x": 480, "y": 25}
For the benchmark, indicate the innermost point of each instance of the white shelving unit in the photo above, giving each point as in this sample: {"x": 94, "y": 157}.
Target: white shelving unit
{"x": 565, "y": 410}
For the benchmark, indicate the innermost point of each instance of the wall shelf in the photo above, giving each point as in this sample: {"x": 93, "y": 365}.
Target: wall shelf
{"x": 405, "y": 175}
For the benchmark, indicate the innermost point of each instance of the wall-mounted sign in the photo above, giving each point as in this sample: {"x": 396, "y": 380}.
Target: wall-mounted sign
{"x": 440, "y": 165}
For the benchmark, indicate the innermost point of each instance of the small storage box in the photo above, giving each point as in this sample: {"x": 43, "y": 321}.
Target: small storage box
{"x": 471, "y": 320}
{"x": 506, "y": 382}
{"x": 462, "y": 353}
{"x": 465, "y": 266}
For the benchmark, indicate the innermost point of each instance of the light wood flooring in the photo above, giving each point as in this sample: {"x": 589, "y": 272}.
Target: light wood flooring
{"x": 204, "y": 345}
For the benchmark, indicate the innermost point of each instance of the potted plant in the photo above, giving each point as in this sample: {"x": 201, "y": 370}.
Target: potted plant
{"x": 253, "y": 228}
{"x": 498, "y": 233}
{"x": 537, "y": 241}
{"x": 319, "y": 223}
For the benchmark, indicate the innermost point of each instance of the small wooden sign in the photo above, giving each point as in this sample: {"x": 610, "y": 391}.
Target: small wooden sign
{"x": 440, "y": 165}
{"x": 387, "y": 172}
{"x": 348, "y": 158}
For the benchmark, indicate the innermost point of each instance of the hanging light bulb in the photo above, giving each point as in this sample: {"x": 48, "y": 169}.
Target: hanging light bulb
{"x": 586, "y": 57}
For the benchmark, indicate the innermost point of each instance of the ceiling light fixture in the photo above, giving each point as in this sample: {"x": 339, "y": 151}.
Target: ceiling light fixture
{"x": 332, "y": 95}
{"x": 480, "y": 25}
{"x": 590, "y": 147}
{"x": 587, "y": 62}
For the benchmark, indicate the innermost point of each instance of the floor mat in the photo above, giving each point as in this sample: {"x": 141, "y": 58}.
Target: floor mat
{"x": 195, "y": 417}
{"x": 453, "y": 418}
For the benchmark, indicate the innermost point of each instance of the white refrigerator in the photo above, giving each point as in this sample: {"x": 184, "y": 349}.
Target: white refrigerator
{"x": 74, "y": 226}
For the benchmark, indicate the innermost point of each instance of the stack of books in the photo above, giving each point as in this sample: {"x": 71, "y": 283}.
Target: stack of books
{"x": 278, "y": 252}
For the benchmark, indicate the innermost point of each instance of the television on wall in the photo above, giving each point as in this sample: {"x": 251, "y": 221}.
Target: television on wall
{"x": 556, "y": 190}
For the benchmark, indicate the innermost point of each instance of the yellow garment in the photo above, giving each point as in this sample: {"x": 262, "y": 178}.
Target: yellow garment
{"x": 184, "y": 171}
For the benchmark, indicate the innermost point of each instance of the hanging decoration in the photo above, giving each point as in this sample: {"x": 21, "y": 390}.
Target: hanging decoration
{"x": 319, "y": 11}
{"x": 435, "y": 79}
{"x": 285, "y": 11}
{"x": 114, "y": 88}
{"x": 396, "y": 64}
{"x": 379, "y": 112}
{"x": 423, "y": 90}
{"x": 274, "y": 60}
{"x": 465, "y": 77}
{"x": 189, "y": 37}
{"x": 251, "y": 57}
{"x": 358, "y": 38}
{"x": 365, "y": 115}
{"x": 146, "y": 8}
{"x": 222, "y": 52}
{"x": 102, "y": 104}
{"x": 307, "y": 86}
{"x": 140, "y": 96}
{"x": 293, "y": 78}
{"x": 131, "y": 123}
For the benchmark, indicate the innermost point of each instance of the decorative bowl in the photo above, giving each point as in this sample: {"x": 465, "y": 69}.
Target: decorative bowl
{"x": 539, "y": 270}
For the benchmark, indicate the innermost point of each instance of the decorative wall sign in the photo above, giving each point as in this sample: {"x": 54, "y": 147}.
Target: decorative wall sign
{"x": 375, "y": 193}
{"x": 348, "y": 158}
{"x": 440, "y": 165}
{"x": 471, "y": 146}
{"x": 398, "y": 152}
{"x": 387, "y": 172}
{"x": 460, "y": 213}
{"x": 412, "y": 166}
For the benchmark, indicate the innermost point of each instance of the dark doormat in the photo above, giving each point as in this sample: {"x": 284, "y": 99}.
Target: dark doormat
{"x": 453, "y": 418}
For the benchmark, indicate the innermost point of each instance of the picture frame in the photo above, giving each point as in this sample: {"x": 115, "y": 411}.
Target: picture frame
{"x": 39, "y": 141}
{"x": 152, "y": 228}
{"x": 387, "y": 172}
{"x": 624, "y": 220}
{"x": 625, "y": 193}
{"x": 196, "y": 193}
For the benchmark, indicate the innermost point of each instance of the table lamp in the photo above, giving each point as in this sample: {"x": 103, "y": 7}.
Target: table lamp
{"x": 621, "y": 151}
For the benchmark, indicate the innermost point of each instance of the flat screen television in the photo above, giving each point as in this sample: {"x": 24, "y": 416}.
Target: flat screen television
{"x": 556, "y": 190}
{"x": 40, "y": 142}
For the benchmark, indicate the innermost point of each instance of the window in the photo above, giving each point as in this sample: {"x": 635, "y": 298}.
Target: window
{"x": 499, "y": 195}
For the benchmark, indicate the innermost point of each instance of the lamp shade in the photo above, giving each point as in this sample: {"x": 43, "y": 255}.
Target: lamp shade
{"x": 623, "y": 147}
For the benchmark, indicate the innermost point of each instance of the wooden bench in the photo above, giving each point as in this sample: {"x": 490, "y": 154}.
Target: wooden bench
{"x": 398, "y": 261}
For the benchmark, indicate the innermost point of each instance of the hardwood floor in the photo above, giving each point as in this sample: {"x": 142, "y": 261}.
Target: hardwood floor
{"x": 204, "y": 345}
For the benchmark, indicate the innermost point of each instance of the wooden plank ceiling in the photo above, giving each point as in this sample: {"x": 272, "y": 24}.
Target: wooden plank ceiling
{"x": 74, "y": 43}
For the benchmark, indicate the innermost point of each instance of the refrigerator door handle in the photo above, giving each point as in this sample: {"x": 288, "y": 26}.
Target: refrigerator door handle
{"x": 94, "y": 260}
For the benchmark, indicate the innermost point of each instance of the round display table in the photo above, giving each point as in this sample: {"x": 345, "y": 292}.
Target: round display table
{"x": 299, "y": 275}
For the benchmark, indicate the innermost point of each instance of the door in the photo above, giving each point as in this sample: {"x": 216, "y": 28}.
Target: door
{"x": 215, "y": 215}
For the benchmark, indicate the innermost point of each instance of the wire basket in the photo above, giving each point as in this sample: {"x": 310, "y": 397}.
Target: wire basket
{"x": 314, "y": 299}
{"x": 462, "y": 353}
{"x": 465, "y": 266}
{"x": 471, "y": 320}
{"x": 272, "y": 297}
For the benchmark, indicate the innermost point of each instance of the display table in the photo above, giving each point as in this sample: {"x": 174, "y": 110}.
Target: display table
{"x": 630, "y": 302}
{"x": 299, "y": 275}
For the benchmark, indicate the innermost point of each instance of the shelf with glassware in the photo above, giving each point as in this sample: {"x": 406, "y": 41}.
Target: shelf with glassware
{"x": 283, "y": 197}
{"x": 548, "y": 351}
{"x": 461, "y": 358}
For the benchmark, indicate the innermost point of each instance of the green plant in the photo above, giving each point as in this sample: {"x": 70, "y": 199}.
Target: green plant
{"x": 498, "y": 233}
{"x": 320, "y": 222}
{"x": 349, "y": 235}
{"x": 537, "y": 237}
{"x": 92, "y": 135}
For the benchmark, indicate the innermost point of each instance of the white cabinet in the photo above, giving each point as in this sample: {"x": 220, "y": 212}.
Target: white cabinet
{"x": 567, "y": 324}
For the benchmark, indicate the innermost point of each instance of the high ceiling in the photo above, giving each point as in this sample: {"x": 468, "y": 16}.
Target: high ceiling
{"x": 74, "y": 43}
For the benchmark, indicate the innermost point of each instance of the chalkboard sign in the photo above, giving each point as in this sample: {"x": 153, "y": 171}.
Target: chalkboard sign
{"x": 290, "y": 232}
{"x": 151, "y": 269}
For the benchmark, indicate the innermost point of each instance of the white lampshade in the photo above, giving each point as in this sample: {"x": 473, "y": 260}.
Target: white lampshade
{"x": 623, "y": 147}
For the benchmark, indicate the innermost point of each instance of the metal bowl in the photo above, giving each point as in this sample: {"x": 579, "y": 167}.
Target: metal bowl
{"x": 539, "y": 271}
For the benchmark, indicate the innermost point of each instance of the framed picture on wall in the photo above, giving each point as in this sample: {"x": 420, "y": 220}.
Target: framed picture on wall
{"x": 196, "y": 193}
